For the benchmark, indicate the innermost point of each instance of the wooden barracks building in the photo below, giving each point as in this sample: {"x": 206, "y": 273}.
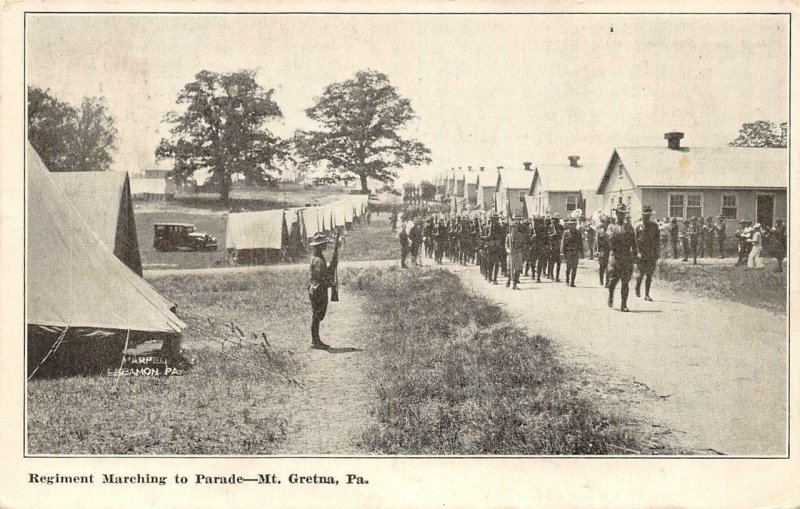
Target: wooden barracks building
{"x": 683, "y": 182}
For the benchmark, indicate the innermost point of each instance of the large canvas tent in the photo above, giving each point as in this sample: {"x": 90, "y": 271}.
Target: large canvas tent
{"x": 103, "y": 200}
{"x": 74, "y": 282}
{"x": 256, "y": 230}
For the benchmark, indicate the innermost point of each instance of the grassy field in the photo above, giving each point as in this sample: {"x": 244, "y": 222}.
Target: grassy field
{"x": 364, "y": 242}
{"x": 761, "y": 288}
{"x": 229, "y": 403}
{"x": 453, "y": 377}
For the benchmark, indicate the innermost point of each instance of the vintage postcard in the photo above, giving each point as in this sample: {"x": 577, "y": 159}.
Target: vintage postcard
{"x": 354, "y": 254}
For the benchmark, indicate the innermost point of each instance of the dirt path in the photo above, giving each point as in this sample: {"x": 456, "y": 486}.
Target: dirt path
{"x": 156, "y": 273}
{"x": 330, "y": 411}
{"x": 717, "y": 369}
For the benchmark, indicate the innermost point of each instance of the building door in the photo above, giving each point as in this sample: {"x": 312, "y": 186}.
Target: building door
{"x": 765, "y": 210}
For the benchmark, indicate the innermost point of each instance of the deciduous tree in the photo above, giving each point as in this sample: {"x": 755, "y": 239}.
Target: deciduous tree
{"x": 361, "y": 120}
{"x": 224, "y": 129}
{"x": 761, "y": 133}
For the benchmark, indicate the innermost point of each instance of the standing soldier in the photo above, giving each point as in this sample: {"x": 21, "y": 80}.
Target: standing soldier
{"x": 427, "y": 237}
{"x": 647, "y": 239}
{"x": 623, "y": 253}
{"x": 694, "y": 234}
{"x": 778, "y": 236}
{"x": 539, "y": 242}
{"x": 603, "y": 248}
{"x": 393, "y": 220}
{"x": 403, "y": 238}
{"x": 515, "y": 252}
{"x": 710, "y": 236}
{"x": 439, "y": 240}
{"x": 720, "y": 235}
{"x": 674, "y": 235}
{"x": 685, "y": 239}
{"x": 322, "y": 277}
{"x": 742, "y": 236}
{"x": 415, "y": 239}
{"x": 701, "y": 228}
{"x": 571, "y": 249}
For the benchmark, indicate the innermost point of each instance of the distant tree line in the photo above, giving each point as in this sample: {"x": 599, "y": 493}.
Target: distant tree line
{"x": 762, "y": 133}
{"x": 70, "y": 138}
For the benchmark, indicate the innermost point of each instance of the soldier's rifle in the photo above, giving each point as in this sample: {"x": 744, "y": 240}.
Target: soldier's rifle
{"x": 334, "y": 267}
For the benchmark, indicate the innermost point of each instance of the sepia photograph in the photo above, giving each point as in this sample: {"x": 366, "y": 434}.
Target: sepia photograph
{"x": 405, "y": 234}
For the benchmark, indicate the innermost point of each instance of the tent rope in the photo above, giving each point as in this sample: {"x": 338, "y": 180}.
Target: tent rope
{"x": 53, "y": 348}
{"x": 122, "y": 361}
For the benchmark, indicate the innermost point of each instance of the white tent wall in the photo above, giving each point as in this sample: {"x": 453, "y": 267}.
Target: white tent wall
{"x": 255, "y": 230}
{"x": 71, "y": 279}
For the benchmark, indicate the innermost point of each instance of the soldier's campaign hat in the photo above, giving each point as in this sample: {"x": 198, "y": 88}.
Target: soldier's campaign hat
{"x": 556, "y": 216}
{"x": 621, "y": 208}
{"x": 647, "y": 210}
{"x": 318, "y": 239}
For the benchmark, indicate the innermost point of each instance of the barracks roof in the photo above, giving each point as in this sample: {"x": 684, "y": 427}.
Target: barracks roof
{"x": 720, "y": 167}
{"x": 565, "y": 178}
{"x": 514, "y": 179}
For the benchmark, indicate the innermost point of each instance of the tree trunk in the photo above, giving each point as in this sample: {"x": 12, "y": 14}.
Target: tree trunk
{"x": 225, "y": 189}
{"x": 364, "y": 188}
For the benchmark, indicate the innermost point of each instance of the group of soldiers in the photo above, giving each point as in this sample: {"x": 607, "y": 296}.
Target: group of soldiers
{"x": 537, "y": 247}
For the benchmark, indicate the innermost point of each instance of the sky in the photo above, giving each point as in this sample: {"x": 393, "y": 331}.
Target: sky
{"x": 488, "y": 90}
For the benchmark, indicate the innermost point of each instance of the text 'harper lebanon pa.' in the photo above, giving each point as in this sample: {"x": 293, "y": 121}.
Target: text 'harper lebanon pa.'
{"x": 162, "y": 480}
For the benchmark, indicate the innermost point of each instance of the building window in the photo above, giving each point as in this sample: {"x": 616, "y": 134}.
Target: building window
{"x": 686, "y": 206}
{"x": 620, "y": 172}
{"x": 729, "y": 206}
{"x": 694, "y": 205}
{"x": 522, "y": 196}
{"x": 676, "y": 205}
{"x": 572, "y": 202}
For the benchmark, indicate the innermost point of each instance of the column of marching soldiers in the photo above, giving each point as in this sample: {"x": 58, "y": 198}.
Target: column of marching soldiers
{"x": 538, "y": 247}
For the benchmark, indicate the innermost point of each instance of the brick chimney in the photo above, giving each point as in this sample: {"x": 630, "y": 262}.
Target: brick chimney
{"x": 469, "y": 168}
{"x": 573, "y": 161}
{"x": 499, "y": 167}
{"x": 527, "y": 165}
{"x": 482, "y": 167}
{"x": 673, "y": 140}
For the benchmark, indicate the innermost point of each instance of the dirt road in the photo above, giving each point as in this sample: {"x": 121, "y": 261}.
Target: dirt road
{"x": 329, "y": 413}
{"x": 718, "y": 368}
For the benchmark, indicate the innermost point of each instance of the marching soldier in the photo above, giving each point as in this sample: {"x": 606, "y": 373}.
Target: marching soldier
{"x": 540, "y": 241}
{"x": 778, "y": 241}
{"x": 427, "y": 237}
{"x": 439, "y": 240}
{"x": 623, "y": 253}
{"x": 515, "y": 249}
{"x": 694, "y": 238}
{"x": 603, "y": 248}
{"x": 647, "y": 238}
{"x": 415, "y": 240}
{"x": 571, "y": 249}
{"x": 494, "y": 247}
{"x": 555, "y": 233}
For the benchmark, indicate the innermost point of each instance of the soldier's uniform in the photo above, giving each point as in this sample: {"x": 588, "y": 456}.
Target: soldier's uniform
{"x": 494, "y": 248}
{"x": 647, "y": 238}
{"x": 427, "y": 238}
{"x": 439, "y": 241}
{"x": 702, "y": 231}
{"x": 711, "y": 229}
{"x": 415, "y": 239}
{"x": 555, "y": 233}
{"x": 571, "y": 250}
{"x": 403, "y": 238}
{"x": 743, "y": 234}
{"x": 623, "y": 252}
{"x": 603, "y": 250}
{"x": 694, "y": 238}
{"x": 685, "y": 239}
{"x": 515, "y": 254}
{"x": 321, "y": 277}
{"x": 720, "y": 234}
{"x": 674, "y": 235}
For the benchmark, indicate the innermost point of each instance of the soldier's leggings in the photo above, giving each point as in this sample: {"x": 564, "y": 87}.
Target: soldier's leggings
{"x": 603, "y": 259}
{"x": 541, "y": 263}
{"x": 685, "y": 242}
{"x": 674, "y": 243}
{"x": 572, "y": 267}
